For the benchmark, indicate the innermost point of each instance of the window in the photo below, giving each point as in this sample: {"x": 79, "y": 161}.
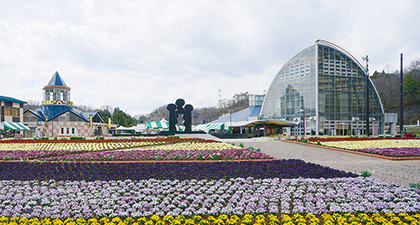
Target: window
{"x": 7, "y": 111}
{"x": 16, "y": 111}
{"x": 62, "y": 130}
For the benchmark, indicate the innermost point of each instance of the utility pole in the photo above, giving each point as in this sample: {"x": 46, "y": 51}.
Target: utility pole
{"x": 401, "y": 96}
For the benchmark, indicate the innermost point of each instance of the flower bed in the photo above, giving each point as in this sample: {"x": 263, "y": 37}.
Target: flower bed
{"x": 395, "y": 147}
{"x": 248, "y": 219}
{"x": 234, "y": 196}
{"x": 193, "y": 150}
{"x": 393, "y": 152}
{"x": 329, "y": 139}
{"x": 223, "y": 192}
{"x": 353, "y": 145}
{"x": 290, "y": 168}
{"x": 400, "y": 148}
{"x": 87, "y": 144}
{"x": 151, "y": 155}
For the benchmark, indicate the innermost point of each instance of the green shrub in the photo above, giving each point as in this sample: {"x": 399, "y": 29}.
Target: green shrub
{"x": 365, "y": 173}
{"x": 215, "y": 156}
{"x": 415, "y": 185}
{"x": 241, "y": 145}
{"x": 318, "y": 143}
{"x": 200, "y": 156}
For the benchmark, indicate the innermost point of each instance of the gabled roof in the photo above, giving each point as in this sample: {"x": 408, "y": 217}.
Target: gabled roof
{"x": 53, "y": 111}
{"x": 95, "y": 116}
{"x": 56, "y": 80}
{"x": 243, "y": 115}
{"x": 10, "y": 99}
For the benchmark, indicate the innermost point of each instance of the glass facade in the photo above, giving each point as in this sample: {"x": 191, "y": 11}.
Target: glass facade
{"x": 324, "y": 88}
{"x": 56, "y": 94}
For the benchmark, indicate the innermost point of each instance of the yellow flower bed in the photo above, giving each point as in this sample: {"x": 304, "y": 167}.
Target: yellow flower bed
{"x": 373, "y": 144}
{"x": 196, "y": 146}
{"x": 74, "y": 146}
{"x": 295, "y": 219}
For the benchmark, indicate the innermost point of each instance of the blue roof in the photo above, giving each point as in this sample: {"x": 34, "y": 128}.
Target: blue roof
{"x": 54, "y": 111}
{"x": 10, "y": 99}
{"x": 56, "y": 80}
{"x": 243, "y": 115}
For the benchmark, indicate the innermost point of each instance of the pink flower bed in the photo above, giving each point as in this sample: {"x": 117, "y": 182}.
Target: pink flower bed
{"x": 229, "y": 154}
{"x": 393, "y": 152}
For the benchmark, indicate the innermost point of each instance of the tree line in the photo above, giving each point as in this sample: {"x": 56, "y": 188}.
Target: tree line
{"x": 388, "y": 86}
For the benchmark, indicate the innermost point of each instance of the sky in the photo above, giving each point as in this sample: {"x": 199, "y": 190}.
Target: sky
{"x": 140, "y": 55}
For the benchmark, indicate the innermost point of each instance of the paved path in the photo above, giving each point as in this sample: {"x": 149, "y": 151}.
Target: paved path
{"x": 402, "y": 172}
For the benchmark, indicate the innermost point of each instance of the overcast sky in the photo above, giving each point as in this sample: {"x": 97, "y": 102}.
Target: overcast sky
{"x": 139, "y": 55}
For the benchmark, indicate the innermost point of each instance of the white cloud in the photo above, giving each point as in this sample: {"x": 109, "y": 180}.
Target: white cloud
{"x": 139, "y": 55}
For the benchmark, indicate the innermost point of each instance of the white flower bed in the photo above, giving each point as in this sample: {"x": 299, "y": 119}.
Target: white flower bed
{"x": 61, "y": 199}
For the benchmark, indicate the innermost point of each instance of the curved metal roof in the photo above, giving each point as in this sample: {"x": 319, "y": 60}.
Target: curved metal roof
{"x": 10, "y": 99}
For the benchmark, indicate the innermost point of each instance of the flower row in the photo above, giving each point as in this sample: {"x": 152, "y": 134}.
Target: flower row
{"x": 290, "y": 168}
{"x": 393, "y": 152}
{"x": 136, "y": 155}
{"x": 101, "y": 140}
{"x": 353, "y": 145}
{"x": 75, "y": 146}
{"x": 235, "y": 196}
{"x": 91, "y": 145}
{"x": 196, "y": 146}
{"x": 132, "y": 155}
{"x": 329, "y": 139}
{"x": 248, "y": 219}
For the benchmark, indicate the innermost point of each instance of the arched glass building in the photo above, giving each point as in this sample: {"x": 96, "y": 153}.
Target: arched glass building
{"x": 323, "y": 87}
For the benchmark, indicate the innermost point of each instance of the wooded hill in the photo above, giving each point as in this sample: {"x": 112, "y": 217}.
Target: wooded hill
{"x": 388, "y": 87}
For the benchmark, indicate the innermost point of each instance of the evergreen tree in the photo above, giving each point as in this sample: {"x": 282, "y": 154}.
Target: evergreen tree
{"x": 411, "y": 89}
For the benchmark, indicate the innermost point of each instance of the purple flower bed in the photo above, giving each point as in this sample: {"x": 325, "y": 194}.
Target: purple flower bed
{"x": 34, "y": 154}
{"x": 393, "y": 152}
{"x": 290, "y": 168}
{"x": 231, "y": 154}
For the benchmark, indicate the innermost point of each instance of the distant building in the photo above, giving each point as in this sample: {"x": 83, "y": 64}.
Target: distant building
{"x": 323, "y": 89}
{"x": 57, "y": 115}
{"x": 11, "y": 116}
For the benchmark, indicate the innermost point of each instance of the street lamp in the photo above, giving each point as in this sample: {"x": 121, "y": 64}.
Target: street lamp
{"x": 297, "y": 120}
{"x": 354, "y": 119}
{"x": 303, "y": 124}
{"x": 312, "y": 119}
{"x": 367, "y": 93}
{"x": 230, "y": 120}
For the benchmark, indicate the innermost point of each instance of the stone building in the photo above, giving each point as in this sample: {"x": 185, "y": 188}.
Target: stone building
{"x": 57, "y": 116}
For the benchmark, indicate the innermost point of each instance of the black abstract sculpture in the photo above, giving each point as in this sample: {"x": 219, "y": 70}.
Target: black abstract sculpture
{"x": 179, "y": 109}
